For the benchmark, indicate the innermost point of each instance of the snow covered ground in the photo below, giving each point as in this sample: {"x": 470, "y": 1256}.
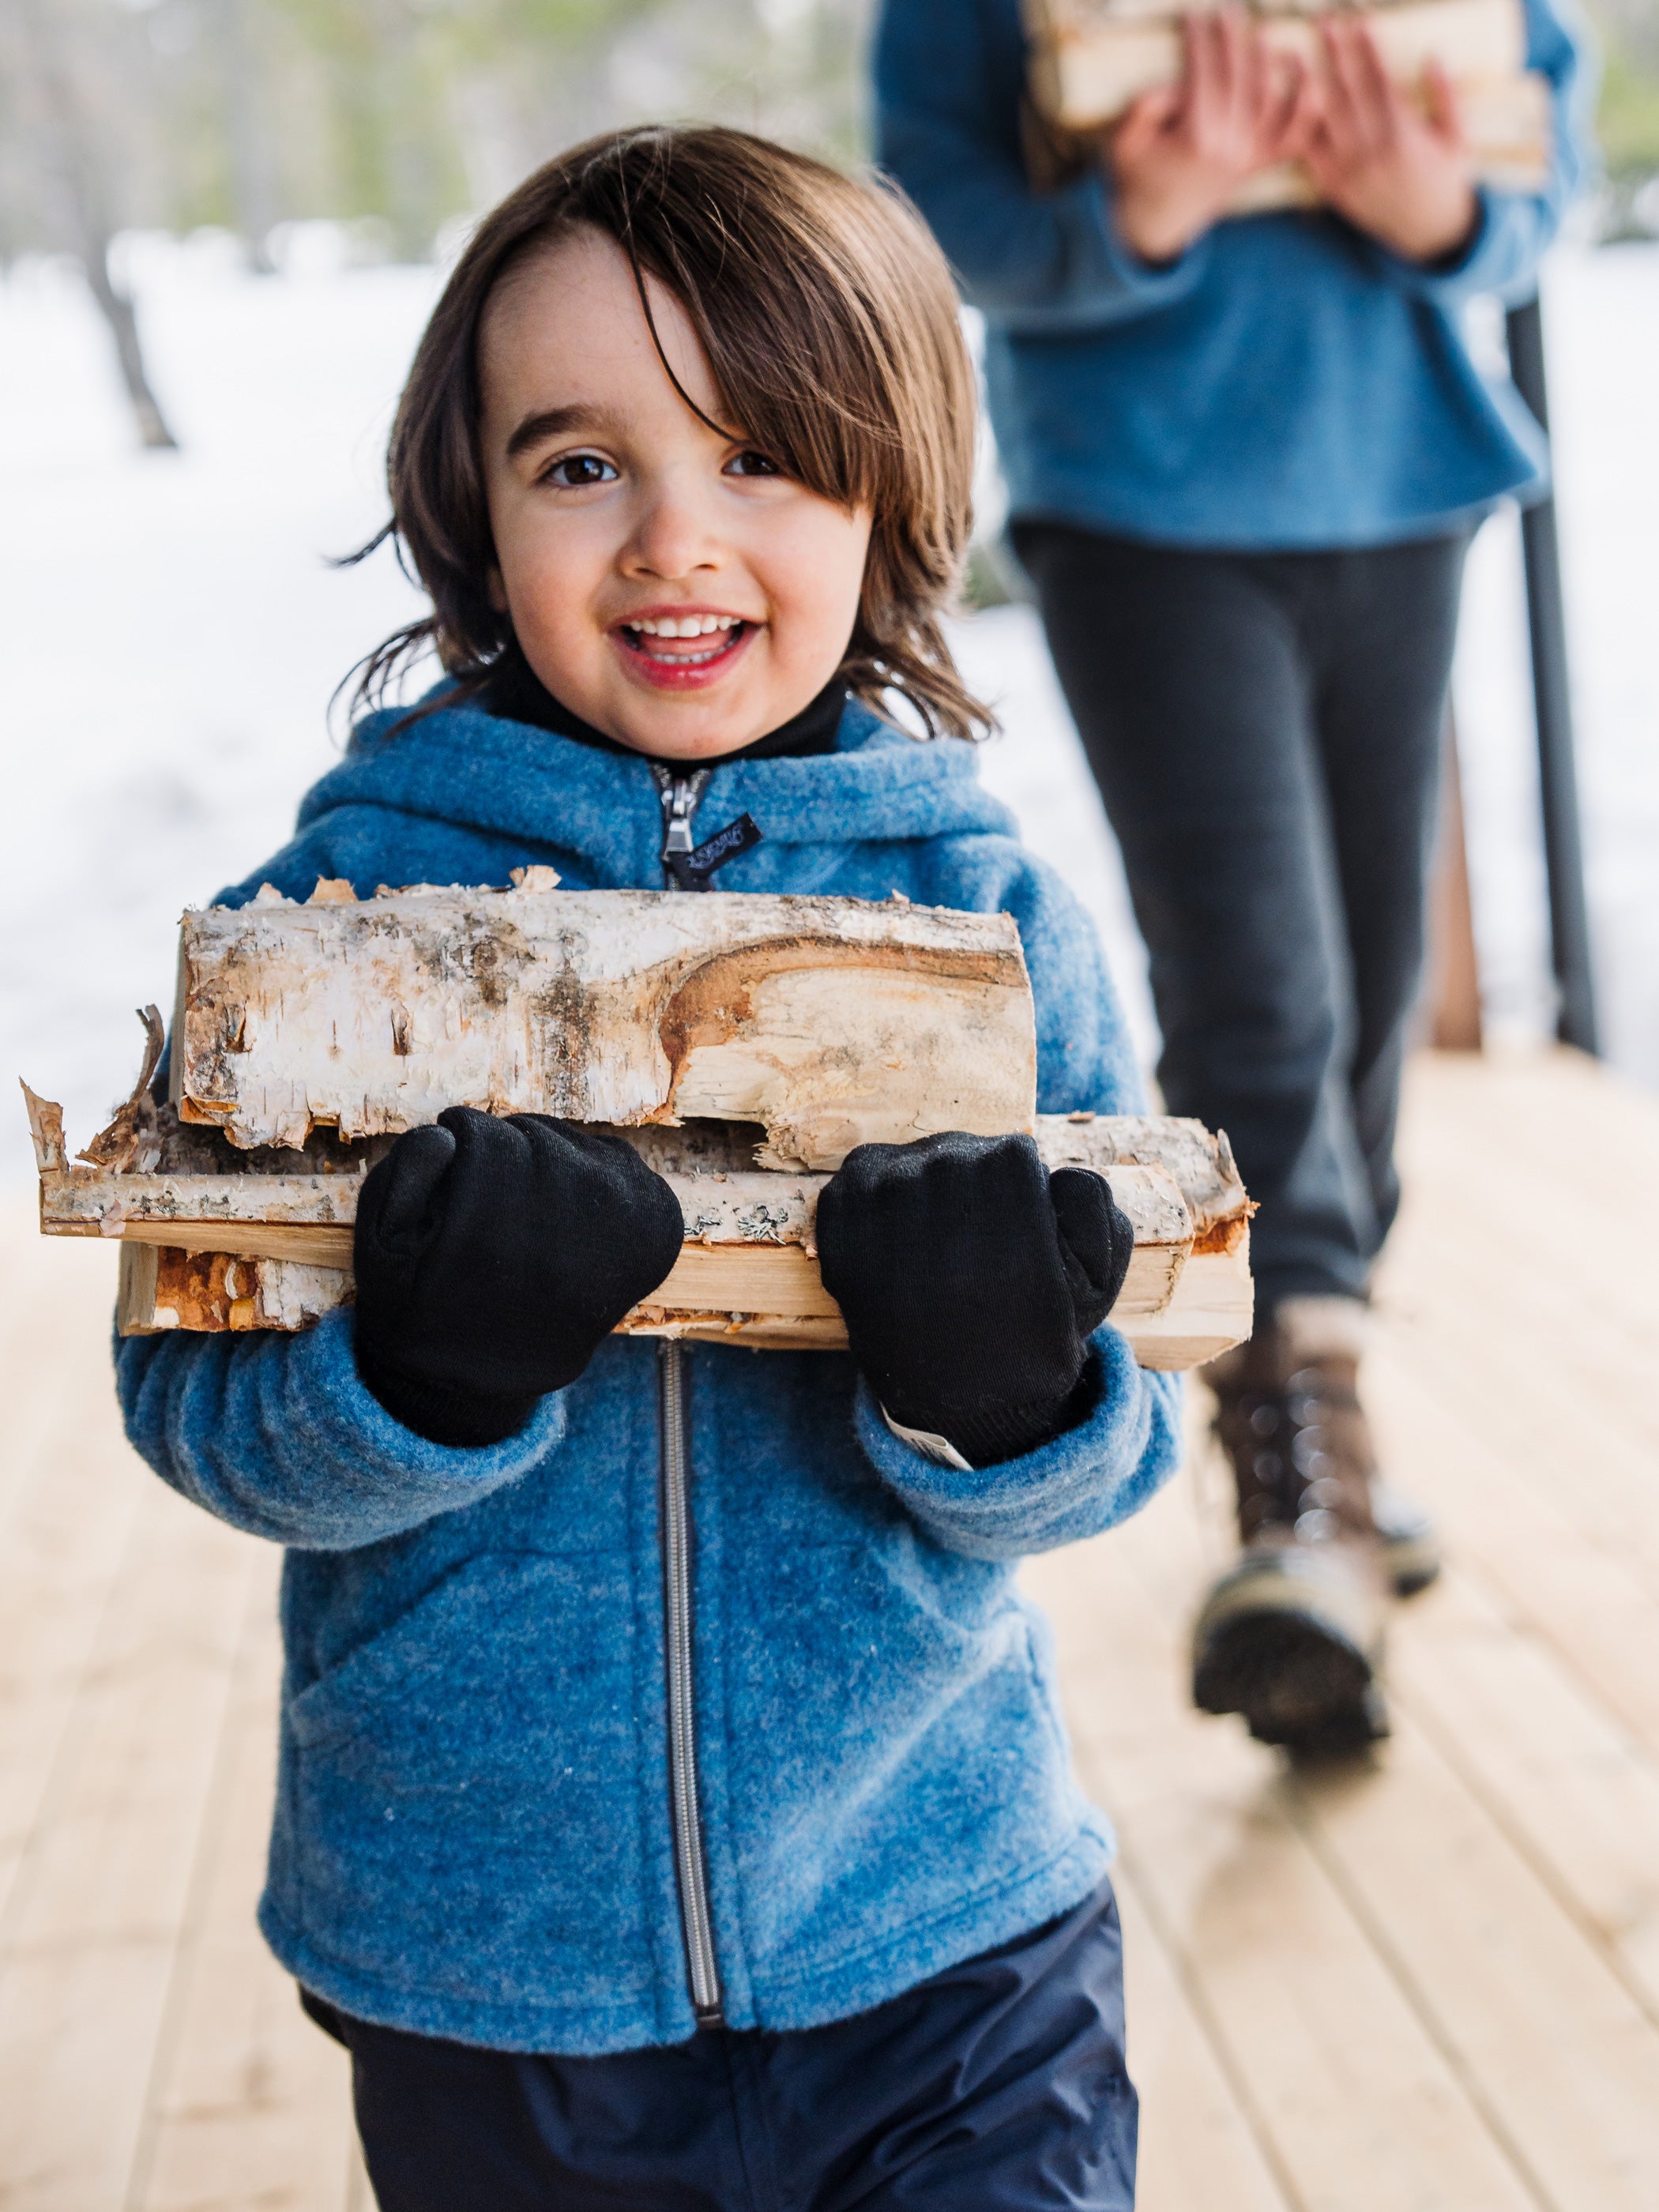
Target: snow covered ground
{"x": 173, "y": 632}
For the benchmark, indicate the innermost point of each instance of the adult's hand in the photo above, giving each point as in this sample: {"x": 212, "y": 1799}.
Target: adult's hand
{"x": 1180, "y": 153}
{"x": 493, "y": 1256}
{"x": 971, "y": 1279}
{"x": 1399, "y": 172}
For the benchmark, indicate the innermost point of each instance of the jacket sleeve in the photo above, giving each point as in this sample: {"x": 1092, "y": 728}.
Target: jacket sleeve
{"x": 1087, "y": 1479}
{"x": 277, "y": 1435}
{"x": 1094, "y": 1476}
{"x": 1085, "y": 1062}
{"x": 1514, "y": 228}
{"x": 948, "y": 75}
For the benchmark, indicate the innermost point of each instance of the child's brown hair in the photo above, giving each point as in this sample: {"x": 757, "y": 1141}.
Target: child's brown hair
{"x": 828, "y": 317}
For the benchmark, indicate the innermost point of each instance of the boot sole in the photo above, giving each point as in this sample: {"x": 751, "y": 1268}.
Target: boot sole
{"x": 1296, "y": 1682}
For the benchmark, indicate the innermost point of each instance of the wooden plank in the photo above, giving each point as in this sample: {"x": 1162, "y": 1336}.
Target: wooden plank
{"x": 1544, "y": 1415}
{"x": 1492, "y": 1946}
{"x": 1360, "y": 2105}
{"x": 1554, "y": 1142}
{"x": 1198, "y": 2150}
{"x": 87, "y": 1946}
{"x": 1594, "y": 1611}
{"x": 64, "y": 1539}
{"x": 1186, "y": 1298}
{"x": 1574, "y": 1792}
{"x": 1499, "y": 1969}
{"x": 250, "y": 2103}
{"x": 779, "y": 1278}
{"x": 53, "y": 1303}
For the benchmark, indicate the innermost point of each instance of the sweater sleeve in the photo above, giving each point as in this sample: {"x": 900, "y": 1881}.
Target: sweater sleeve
{"x": 1099, "y": 1472}
{"x": 1087, "y": 1479}
{"x": 948, "y": 77}
{"x": 1512, "y": 229}
{"x": 277, "y": 1435}
{"x": 1085, "y": 1062}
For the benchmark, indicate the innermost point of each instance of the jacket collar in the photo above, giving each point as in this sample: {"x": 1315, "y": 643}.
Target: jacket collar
{"x": 464, "y": 766}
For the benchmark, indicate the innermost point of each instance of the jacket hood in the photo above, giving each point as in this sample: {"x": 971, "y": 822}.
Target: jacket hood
{"x": 462, "y": 766}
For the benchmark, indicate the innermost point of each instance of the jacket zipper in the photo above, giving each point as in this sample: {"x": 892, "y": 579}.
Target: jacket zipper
{"x": 679, "y": 796}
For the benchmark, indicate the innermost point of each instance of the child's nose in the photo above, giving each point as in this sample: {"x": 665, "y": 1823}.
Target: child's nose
{"x": 673, "y": 535}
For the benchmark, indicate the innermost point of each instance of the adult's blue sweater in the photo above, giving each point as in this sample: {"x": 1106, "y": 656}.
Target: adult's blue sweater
{"x": 1287, "y": 382}
{"x": 472, "y": 1830}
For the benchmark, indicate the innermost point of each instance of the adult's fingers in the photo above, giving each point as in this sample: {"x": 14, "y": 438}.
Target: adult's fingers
{"x": 1442, "y": 106}
{"x": 1292, "y": 109}
{"x": 1238, "y": 52}
{"x": 1339, "y": 114}
{"x": 1359, "y": 98}
{"x": 1203, "y": 81}
{"x": 1261, "y": 74}
{"x": 1378, "y": 96}
{"x": 1141, "y": 126}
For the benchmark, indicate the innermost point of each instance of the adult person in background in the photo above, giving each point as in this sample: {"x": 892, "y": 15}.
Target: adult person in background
{"x": 1245, "y": 456}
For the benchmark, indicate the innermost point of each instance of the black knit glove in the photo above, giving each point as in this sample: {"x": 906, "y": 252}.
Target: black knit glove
{"x": 971, "y": 1280}
{"x": 493, "y": 1257}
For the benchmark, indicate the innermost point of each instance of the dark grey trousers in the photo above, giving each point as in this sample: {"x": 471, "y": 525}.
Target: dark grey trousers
{"x": 1265, "y": 730}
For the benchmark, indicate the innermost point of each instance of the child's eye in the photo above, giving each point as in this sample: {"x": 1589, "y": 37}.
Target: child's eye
{"x": 751, "y": 464}
{"x": 574, "y": 471}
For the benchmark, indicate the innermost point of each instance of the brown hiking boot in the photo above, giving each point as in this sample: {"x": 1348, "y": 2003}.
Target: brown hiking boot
{"x": 1291, "y": 1637}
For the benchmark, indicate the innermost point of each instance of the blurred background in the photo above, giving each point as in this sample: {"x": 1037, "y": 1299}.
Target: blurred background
{"x": 222, "y": 225}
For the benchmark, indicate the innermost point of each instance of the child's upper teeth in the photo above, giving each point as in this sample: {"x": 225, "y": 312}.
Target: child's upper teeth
{"x": 683, "y": 625}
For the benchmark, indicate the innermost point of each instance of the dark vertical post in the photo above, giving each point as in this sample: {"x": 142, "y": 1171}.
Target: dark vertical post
{"x": 1570, "y": 941}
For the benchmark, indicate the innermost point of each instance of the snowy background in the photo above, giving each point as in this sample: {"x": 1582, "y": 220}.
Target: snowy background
{"x": 174, "y": 632}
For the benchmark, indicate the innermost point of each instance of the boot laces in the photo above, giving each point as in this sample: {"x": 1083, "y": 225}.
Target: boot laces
{"x": 1286, "y": 1449}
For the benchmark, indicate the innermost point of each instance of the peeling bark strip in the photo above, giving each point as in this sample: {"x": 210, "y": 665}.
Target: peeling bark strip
{"x": 1090, "y": 58}
{"x": 831, "y": 1022}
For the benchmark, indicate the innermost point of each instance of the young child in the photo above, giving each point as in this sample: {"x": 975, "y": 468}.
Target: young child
{"x": 674, "y": 1808}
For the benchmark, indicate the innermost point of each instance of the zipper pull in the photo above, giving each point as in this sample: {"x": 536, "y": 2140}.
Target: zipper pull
{"x": 679, "y": 796}
{"x": 686, "y": 867}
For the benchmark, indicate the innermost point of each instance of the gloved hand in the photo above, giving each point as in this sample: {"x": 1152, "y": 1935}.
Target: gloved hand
{"x": 493, "y": 1256}
{"x": 971, "y": 1280}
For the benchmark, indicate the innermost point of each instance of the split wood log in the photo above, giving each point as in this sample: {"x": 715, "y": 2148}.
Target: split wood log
{"x": 1090, "y": 58}
{"x": 250, "y": 1249}
{"x": 831, "y": 1022}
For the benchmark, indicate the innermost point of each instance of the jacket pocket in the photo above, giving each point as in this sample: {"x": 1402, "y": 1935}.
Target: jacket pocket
{"x": 465, "y": 1795}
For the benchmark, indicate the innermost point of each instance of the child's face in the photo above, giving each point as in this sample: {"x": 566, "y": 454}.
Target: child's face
{"x": 614, "y": 507}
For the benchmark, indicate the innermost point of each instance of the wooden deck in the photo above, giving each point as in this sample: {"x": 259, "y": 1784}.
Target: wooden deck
{"x": 1431, "y": 1986}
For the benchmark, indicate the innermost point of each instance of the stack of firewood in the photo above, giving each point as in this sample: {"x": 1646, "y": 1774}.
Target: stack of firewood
{"x": 1090, "y": 58}
{"x": 743, "y": 1044}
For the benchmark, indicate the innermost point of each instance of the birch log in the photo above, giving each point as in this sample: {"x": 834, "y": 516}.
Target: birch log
{"x": 831, "y": 1022}
{"x": 1090, "y": 58}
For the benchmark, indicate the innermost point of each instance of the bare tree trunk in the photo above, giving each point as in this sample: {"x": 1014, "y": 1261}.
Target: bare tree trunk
{"x": 118, "y": 313}
{"x": 72, "y": 146}
{"x": 252, "y": 168}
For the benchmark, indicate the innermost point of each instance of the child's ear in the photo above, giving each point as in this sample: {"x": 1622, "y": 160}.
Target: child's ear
{"x": 496, "y": 589}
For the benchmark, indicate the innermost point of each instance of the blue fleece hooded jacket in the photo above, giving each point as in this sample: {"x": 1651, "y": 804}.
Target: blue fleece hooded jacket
{"x": 1285, "y": 382}
{"x": 472, "y": 1835}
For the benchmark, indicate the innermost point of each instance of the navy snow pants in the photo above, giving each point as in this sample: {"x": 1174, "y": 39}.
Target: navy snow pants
{"x": 998, "y": 2084}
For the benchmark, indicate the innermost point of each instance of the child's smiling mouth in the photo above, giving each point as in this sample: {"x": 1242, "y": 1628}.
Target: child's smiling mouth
{"x": 682, "y": 649}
